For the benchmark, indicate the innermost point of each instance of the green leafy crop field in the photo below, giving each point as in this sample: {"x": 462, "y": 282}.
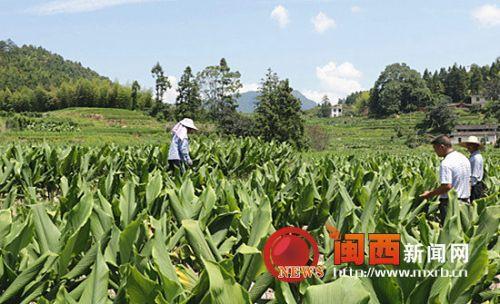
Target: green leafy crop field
{"x": 110, "y": 224}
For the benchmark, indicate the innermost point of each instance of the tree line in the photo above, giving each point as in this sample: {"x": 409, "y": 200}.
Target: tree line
{"x": 33, "y": 79}
{"x": 212, "y": 95}
{"x": 400, "y": 89}
{"x": 78, "y": 93}
{"x": 31, "y": 67}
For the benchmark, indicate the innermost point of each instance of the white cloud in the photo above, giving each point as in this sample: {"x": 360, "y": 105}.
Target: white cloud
{"x": 355, "y": 9}
{"x": 322, "y": 22}
{"x": 338, "y": 81}
{"x": 317, "y": 96}
{"x": 171, "y": 94}
{"x": 487, "y": 15}
{"x": 247, "y": 87}
{"x": 280, "y": 14}
{"x": 77, "y": 6}
{"x": 344, "y": 70}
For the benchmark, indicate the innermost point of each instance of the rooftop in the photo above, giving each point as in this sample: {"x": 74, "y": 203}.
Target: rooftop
{"x": 480, "y": 133}
{"x": 491, "y": 127}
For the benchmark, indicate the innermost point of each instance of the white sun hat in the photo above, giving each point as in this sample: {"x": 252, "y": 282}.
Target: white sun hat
{"x": 471, "y": 140}
{"x": 188, "y": 123}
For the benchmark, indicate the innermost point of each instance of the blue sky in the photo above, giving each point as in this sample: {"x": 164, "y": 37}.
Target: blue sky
{"x": 323, "y": 47}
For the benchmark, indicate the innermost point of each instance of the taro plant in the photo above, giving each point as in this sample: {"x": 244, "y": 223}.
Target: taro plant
{"x": 113, "y": 225}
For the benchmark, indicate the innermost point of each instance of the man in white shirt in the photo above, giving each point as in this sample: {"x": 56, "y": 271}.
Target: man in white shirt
{"x": 454, "y": 173}
{"x": 474, "y": 146}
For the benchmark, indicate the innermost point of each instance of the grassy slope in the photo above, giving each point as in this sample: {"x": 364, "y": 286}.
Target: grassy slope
{"x": 98, "y": 125}
{"x": 366, "y": 135}
{"x": 360, "y": 132}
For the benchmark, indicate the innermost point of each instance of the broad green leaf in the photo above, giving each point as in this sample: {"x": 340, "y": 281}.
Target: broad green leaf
{"x": 476, "y": 268}
{"x": 177, "y": 207}
{"x": 421, "y": 292}
{"x": 88, "y": 258}
{"x": 24, "y": 278}
{"x": 127, "y": 204}
{"x": 367, "y": 218}
{"x": 153, "y": 188}
{"x": 5, "y": 223}
{"x": 46, "y": 232}
{"x": 208, "y": 199}
{"x": 197, "y": 240}
{"x": 20, "y": 235}
{"x": 262, "y": 283}
{"x": 439, "y": 290}
{"x": 284, "y": 293}
{"x": 345, "y": 290}
{"x": 222, "y": 286}
{"x": 245, "y": 249}
{"x": 63, "y": 297}
{"x": 127, "y": 240}
{"x": 166, "y": 269}
{"x": 387, "y": 290}
{"x": 96, "y": 285}
{"x": 260, "y": 229}
{"x": 139, "y": 288}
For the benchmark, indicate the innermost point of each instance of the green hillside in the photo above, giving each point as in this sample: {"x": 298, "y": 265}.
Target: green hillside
{"x": 33, "y": 79}
{"x": 93, "y": 126}
{"x": 32, "y": 66}
{"x": 359, "y": 132}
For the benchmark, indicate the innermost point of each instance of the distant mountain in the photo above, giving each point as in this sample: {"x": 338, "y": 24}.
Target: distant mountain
{"x": 31, "y": 66}
{"x": 247, "y": 101}
{"x": 306, "y": 102}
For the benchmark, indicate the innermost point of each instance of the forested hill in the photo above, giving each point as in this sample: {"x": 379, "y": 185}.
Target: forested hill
{"x": 31, "y": 66}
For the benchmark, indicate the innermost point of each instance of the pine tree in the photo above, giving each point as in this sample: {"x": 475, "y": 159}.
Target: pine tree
{"x": 134, "y": 94}
{"x": 427, "y": 76}
{"x": 162, "y": 83}
{"x": 188, "y": 102}
{"x": 325, "y": 109}
{"x": 278, "y": 112}
{"x": 455, "y": 84}
{"x": 436, "y": 85}
{"x": 495, "y": 69}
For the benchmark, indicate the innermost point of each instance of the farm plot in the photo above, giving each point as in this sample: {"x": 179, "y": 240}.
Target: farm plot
{"x": 111, "y": 224}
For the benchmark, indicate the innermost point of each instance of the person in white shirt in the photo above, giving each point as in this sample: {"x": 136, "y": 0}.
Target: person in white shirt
{"x": 454, "y": 173}
{"x": 474, "y": 146}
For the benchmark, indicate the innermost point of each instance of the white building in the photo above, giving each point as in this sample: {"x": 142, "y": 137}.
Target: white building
{"x": 336, "y": 110}
{"x": 486, "y": 133}
{"x": 477, "y": 100}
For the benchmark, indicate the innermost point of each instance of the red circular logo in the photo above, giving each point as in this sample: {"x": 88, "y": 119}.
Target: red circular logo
{"x": 290, "y": 247}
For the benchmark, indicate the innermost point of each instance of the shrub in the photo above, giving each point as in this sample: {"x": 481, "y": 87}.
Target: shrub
{"x": 21, "y": 122}
{"x": 237, "y": 124}
{"x": 439, "y": 119}
{"x": 319, "y": 138}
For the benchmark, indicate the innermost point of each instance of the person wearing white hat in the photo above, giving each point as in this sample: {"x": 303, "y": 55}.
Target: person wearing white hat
{"x": 178, "y": 154}
{"x": 474, "y": 146}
